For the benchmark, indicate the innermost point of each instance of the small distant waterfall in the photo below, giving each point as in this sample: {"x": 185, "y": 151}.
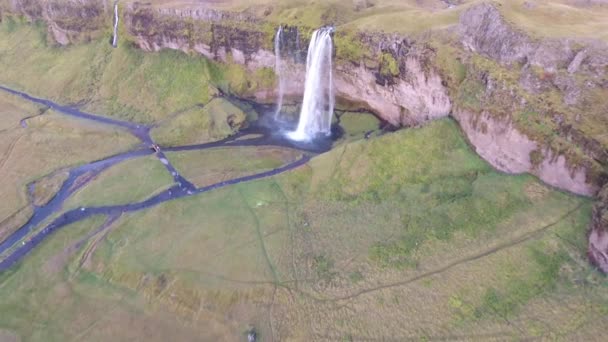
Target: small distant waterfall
{"x": 115, "y": 37}
{"x": 278, "y": 69}
{"x": 318, "y": 104}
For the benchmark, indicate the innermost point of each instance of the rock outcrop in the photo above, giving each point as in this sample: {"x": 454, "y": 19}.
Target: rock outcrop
{"x": 484, "y": 30}
{"x": 520, "y": 94}
{"x": 598, "y": 233}
{"x": 501, "y": 144}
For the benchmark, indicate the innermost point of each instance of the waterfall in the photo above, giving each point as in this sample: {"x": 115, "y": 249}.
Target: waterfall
{"x": 318, "y": 104}
{"x": 115, "y": 37}
{"x": 278, "y": 69}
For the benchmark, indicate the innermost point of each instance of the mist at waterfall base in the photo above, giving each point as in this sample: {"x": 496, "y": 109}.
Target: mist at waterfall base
{"x": 318, "y": 104}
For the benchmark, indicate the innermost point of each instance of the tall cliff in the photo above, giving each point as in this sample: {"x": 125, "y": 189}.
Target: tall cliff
{"x": 406, "y": 92}
{"x": 531, "y": 105}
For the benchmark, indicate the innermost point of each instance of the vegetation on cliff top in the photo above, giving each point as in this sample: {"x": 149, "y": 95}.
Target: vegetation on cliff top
{"x": 544, "y": 18}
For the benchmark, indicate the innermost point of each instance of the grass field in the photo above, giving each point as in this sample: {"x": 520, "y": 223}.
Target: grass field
{"x": 207, "y": 167}
{"x": 404, "y": 236}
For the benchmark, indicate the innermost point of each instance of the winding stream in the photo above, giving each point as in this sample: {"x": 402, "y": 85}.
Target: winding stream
{"x": 81, "y": 175}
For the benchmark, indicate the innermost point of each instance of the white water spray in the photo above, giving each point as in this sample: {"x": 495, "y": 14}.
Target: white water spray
{"x": 115, "y": 37}
{"x": 278, "y": 69}
{"x": 318, "y": 105}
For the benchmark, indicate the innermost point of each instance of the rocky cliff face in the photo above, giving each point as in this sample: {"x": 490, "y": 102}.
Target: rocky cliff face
{"x": 68, "y": 21}
{"x": 528, "y": 105}
{"x": 411, "y": 94}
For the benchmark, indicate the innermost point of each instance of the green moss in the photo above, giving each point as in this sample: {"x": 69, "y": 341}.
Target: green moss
{"x": 518, "y": 291}
{"x": 469, "y": 94}
{"x": 536, "y": 157}
{"x": 349, "y": 47}
{"x": 232, "y": 78}
{"x": 9, "y": 23}
{"x": 536, "y": 124}
{"x": 324, "y": 267}
{"x": 265, "y": 77}
{"x": 124, "y": 82}
{"x": 389, "y": 65}
{"x": 449, "y": 64}
{"x": 206, "y": 167}
{"x": 355, "y": 277}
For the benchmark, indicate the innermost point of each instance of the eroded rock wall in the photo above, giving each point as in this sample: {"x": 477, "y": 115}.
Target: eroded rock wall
{"x": 526, "y": 105}
{"x": 68, "y": 21}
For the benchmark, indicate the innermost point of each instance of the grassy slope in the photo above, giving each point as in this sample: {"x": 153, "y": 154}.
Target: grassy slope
{"x": 123, "y": 82}
{"x": 350, "y": 224}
